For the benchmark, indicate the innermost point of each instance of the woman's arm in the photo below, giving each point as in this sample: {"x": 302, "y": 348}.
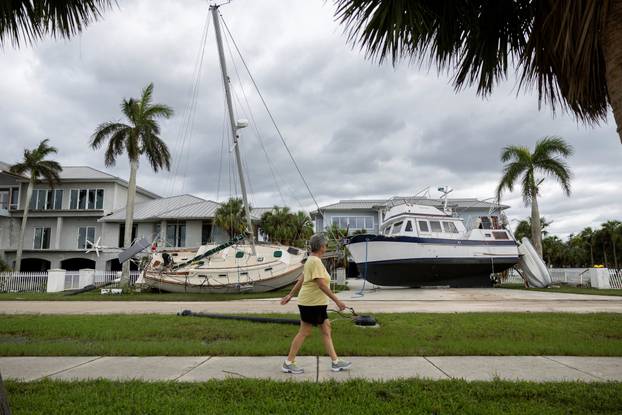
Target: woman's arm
{"x": 321, "y": 283}
{"x": 294, "y": 290}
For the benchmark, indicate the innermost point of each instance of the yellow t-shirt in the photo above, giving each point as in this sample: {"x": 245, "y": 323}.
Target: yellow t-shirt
{"x": 310, "y": 293}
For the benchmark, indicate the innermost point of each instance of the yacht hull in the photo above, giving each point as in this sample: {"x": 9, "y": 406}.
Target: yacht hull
{"x": 416, "y": 262}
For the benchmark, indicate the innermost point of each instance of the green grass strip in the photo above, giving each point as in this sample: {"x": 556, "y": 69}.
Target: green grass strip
{"x": 398, "y": 335}
{"x": 354, "y": 397}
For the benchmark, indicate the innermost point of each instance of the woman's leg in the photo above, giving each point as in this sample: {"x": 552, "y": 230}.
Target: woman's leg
{"x": 299, "y": 339}
{"x": 328, "y": 340}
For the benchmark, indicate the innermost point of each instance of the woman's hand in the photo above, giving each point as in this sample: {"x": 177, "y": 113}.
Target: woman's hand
{"x": 342, "y": 306}
{"x": 286, "y": 299}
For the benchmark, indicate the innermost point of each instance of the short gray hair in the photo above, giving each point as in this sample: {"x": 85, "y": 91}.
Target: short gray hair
{"x": 317, "y": 241}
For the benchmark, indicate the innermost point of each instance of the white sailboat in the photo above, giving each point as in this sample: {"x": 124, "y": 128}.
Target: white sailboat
{"x": 238, "y": 265}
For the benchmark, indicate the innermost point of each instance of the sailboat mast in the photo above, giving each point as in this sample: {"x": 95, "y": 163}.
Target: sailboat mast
{"x": 232, "y": 122}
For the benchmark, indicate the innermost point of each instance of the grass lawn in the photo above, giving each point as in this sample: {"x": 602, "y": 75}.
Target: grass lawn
{"x": 399, "y": 335}
{"x": 567, "y": 289}
{"x": 354, "y": 397}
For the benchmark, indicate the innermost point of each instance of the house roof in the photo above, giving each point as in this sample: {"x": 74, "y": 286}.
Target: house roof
{"x": 86, "y": 174}
{"x": 374, "y": 204}
{"x": 182, "y": 207}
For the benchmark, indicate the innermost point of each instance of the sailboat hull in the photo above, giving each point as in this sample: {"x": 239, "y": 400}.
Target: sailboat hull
{"x": 179, "y": 283}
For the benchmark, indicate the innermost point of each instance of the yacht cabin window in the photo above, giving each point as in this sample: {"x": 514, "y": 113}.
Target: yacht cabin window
{"x": 450, "y": 227}
{"x": 397, "y": 227}
{"x": 435, "y": 226}
{"x": 409, "y": 227}
{"x": 423, "y": 226}
{"x": 387, "y": 230}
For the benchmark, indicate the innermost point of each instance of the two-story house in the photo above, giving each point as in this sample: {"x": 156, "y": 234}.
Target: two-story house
{"x": 62, "y": 221}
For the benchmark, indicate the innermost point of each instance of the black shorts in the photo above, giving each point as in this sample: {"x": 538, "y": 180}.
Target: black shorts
{"x": 313, "y": 314}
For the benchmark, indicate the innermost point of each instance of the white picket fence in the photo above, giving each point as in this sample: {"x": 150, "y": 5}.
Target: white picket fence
{"x": 570, "y": 276}
{"x": 11, "y": 282}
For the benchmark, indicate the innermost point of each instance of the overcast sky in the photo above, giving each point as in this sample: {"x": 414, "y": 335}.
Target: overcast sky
{"x": 356, "y": 129}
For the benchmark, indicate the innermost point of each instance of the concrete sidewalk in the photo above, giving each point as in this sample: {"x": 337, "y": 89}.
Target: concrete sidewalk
{"x": 203, "y": 368}
{"x": 383, "y": 300}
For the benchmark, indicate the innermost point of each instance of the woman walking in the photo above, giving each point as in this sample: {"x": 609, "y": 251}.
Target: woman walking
{"x": 314, "y": 287}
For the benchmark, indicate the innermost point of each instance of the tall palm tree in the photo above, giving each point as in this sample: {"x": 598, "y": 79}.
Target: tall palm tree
{"x": 35, "y": 165}
{"x": 570, "y": 50}
{"x": 140, "y": 136}
{"x": 30, "y": 20}
{"x": 231, "y": 217}
{"x": 587, "y": 236}
{"x": 523, "y": 165}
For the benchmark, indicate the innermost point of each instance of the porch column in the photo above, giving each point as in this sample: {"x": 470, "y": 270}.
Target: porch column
{"x": 59, "y": 231}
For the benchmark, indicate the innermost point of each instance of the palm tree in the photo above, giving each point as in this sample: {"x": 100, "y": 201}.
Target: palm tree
{"x": 570, "y": 50}
{"x": 31, "y": 20}
{"x": 610, "y": 229}
{"x": 140, "y": 136}
{"x": 36, "y": 166}
{"x": 524, "y": 165}
{"x": 524, "y": 228}
{"x": 587, "y": 236}
{"x": 231, "y": 217}
{"x": 302, "y": 227}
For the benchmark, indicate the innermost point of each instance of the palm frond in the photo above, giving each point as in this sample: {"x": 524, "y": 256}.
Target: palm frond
{"x": 158, "y": 110}
{"x": 116, "y": 145}
{"x": 511, "y": 173}
{"x": 104, "y": 131}
{"x": 548, "y": 147}
{"x": 30, "y": 20}
{"x": 557, "y": 169}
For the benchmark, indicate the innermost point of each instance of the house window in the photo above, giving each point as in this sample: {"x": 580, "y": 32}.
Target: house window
{"x": 86, "y": 237}
{"x": 122, "y": 234}
{"x": 86, "y": 199}
{"x": 176, "y": 234}
{"x": 4, "y": 199}
{"x": 45, "y": 199}
{"x": 99, "y": 199}
{"x": 206, "y": 232}
{"x": 353, "y": 222}
{"x": 42, "y": 238}
{"x": 58, "y": 199}
{"x": 423, "y": 226}
{"x": 14, "y": 198}
{"x": 450, "y": 227}
{"x": 435, "y": 226}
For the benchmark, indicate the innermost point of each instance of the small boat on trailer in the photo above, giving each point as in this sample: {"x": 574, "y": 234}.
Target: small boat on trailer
{"x": 423, "y": 246}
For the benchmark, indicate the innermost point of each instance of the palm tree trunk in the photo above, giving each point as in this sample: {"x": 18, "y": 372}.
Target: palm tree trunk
{"x": 22, "y": 229}
{"x": 591, "y": 255}
{"x": 612, "y": 50}
{"x": 536, "y": 226}
{"x": 129, "y": 221}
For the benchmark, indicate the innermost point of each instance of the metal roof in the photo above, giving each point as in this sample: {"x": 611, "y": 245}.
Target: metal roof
{"x": 175, "y": 207}
{"x": 375, "y": 204}
{"x": 182, "y": 207}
